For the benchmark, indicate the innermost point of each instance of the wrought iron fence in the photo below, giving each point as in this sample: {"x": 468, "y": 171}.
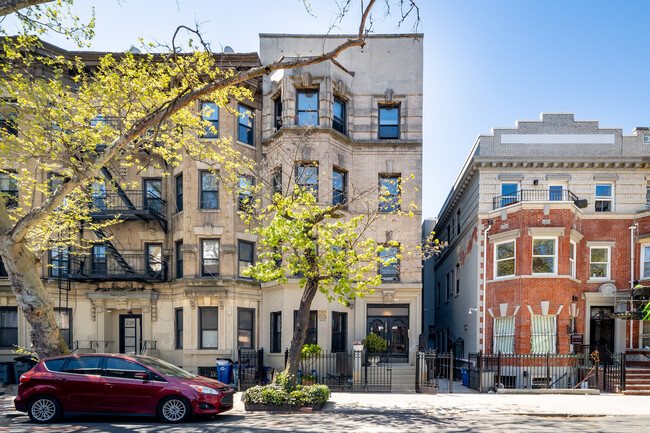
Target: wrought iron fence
{"x": 548, "y": 371}
{"x": 345, "y": 371}
{"x": 249, "y": 368}
{"x": 435, "y": 371}
{"x": 533, "y": 195}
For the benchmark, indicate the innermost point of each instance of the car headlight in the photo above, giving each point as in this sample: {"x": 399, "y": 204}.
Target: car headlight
{"x": 204, "y": 389}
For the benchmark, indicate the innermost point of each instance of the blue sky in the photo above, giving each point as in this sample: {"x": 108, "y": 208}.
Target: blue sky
{"x": 486, "y": 63}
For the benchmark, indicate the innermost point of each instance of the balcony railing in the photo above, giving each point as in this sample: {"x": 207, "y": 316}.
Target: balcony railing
{"x": 128, "y": 202}
{"x": 534, "y": 195}
{"x": 108, "y": 268}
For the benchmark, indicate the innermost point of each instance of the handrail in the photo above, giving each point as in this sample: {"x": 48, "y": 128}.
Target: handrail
{"x": 533, "y": 195}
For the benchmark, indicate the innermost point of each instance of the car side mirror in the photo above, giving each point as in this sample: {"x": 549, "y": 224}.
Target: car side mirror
{"x": 143, "y": 376}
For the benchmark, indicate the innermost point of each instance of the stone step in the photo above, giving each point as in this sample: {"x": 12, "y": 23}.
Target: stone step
{"x": 637, "y": 387}
{"x": 628, "y": 392}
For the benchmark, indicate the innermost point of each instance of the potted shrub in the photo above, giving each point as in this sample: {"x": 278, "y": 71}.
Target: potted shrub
{"x": 357, "y": 346}
{"x": 374, "y": 344}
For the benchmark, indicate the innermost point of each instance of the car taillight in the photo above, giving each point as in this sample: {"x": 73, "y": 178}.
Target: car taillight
{"x": 24, "y": 378}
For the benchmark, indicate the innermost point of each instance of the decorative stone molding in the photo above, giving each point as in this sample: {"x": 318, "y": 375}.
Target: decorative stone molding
{"x": 389, "y": 296}
{"x": 510, "y": 234}
{"x": 546, "y": 231}
{"x": 511, "y": 177}
{"x": 389, "y": 94}
{"x": 306, "y": 79}
{"x": 576, "y": 236}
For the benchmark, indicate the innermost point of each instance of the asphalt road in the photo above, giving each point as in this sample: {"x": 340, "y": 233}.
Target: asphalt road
{"x": 339, "y": 422}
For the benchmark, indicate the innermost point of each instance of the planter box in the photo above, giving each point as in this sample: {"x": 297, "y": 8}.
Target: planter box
{"x": 259, "y": 407}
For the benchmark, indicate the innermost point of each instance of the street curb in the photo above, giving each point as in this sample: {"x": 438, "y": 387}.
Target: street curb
{"x": 549, "y": 391}
{"x": 371, "y": 411}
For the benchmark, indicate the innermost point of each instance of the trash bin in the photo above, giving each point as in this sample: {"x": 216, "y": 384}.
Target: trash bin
{"x": 21, "y": 368}
{"x": 224, "y": 370}
{"x": 7, "y": 373}
{"x": 464, "y": 373}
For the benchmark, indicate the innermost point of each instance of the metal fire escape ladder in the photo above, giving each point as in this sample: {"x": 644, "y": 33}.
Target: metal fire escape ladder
{"x": 120, "y": 192}
{"x": 102, "y": 236}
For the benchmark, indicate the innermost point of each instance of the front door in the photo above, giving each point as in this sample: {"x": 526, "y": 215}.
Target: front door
{"x": 130, "y": 333}
{"x": 390, "y": 322}
{"x": 601, "y": 334}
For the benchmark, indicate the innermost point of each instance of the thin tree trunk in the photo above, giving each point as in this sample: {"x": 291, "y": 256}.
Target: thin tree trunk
{"x": 33, "y": 300}
{"x": 300, "y": 329}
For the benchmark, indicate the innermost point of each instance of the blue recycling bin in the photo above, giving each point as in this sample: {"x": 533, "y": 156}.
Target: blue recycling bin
{"x": 464, "y": 374}
{"x": 224, "y": 373}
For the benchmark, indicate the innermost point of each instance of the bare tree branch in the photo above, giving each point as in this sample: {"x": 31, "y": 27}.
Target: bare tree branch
{"x": 10, "y": 6}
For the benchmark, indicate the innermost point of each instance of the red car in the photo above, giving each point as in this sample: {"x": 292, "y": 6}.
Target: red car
{"x": 118, "y": 384}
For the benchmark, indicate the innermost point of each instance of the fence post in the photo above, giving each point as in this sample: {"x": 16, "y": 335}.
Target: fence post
{"x": 623, "y": 372}
{"x": 451, "y": 372}
{"x": 286, "y": 358}
{"x": 548, "y": 370}
{"x": 365, "y": 371}
{"x": 499, "y": 369}
{"x": 417, "y": 371}
{"x": 479, "y": 361}
{"x": 597, "y": 368}
{"x": 239, "y": 369}
{"x": 260, "y": 366}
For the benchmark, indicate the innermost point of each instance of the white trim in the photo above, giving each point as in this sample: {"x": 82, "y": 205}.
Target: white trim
{"x": 641, "y": 262}
{"x": 573, "y": 248}
{"x": 514, "y": 258}
{"x": 558, "y": 138}
{"x": 608, "y": 262}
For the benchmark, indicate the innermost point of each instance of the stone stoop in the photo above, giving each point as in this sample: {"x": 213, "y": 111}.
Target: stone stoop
{"x": 403, "y": 378}
{"x": 637, "y": 372}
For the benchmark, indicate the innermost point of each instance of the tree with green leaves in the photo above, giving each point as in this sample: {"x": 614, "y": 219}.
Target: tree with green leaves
{"x": 61, "y": 109}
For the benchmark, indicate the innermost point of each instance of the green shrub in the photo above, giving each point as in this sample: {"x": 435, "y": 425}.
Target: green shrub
{"x": 373, "y": 343}
{"x": 276, "y": 394}
{"x": 309, "y": 350}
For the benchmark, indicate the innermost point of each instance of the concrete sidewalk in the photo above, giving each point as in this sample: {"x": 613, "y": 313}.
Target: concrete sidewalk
{"x": 484, "y": 404}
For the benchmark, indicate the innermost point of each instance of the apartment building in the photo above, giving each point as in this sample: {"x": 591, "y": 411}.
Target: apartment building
{"x": 168, "y": 281}
{"x": 548, "y": 225}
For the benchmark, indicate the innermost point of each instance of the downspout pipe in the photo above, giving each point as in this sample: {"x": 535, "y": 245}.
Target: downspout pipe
{"x": 632, "y": 228}
{"x": 484, "y": 303}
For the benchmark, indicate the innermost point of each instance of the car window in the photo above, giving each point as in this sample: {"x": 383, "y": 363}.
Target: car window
{"x": 122, "y": 368}
{"x": 55, "y": 364}
{"x": 84, "y": 365}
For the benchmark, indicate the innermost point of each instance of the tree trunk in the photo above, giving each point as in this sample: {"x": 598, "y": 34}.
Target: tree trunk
{"x": 300, "y": 329}
{"x": 33, "y": 300}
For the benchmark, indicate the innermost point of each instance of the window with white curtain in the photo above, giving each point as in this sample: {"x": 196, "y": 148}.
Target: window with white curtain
{"x": 504, "y": 334}
{"x": 543, "y": 334}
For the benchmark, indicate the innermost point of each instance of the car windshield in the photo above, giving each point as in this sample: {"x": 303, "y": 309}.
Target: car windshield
{"x": 163, "y": 367}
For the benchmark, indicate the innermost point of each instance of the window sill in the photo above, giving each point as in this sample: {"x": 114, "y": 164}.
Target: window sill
{"x": 208, "y": 210}
{"x": 600, "y": 280}
{"x": 252, "y": 146}
{"x": 504, "y": 278}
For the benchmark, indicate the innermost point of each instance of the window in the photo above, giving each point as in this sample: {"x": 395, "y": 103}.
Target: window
{"x": 458, "y": 221}
{"x": 555, "y": 192}
{"x": 209, "y": 190}
{"x": 210, "y": 116}
{"x": 277, "y": 112}
{"x": 389, "y": 264}
{"x": 98, "y": 195}
{"x": 544, "y": 255}
{"x": 543, "y": 333}
{"x": 99, "y": 263}
{"x": 9, "y": 189}
{"x": 155, "y": 265}
{"x": 307, "y": 113}
{"x": 604, "y": 197}
{"x": 210, "y": 257}
{"x": 209, "y": 327}
{"x": 59, "y": 261}
{"x": 339, "y": 187}
{"x": 245, "y": 256}
{"x": 277, "y": 181}
{"x": 504, "y": 334}
{"x": 645, "y": 271}
{"x": 153, "y": 195}
{"x": 63, "y": 320}
{"x": 122, "y": 368}
{"x": 179, "y": 193}
{"x": 245, "y": 198}
{"x": 179, "y": 259}
{"x": 178, "y": 328}
{"x": 389, "y": 121}
{"x": 572, "y": 259}
{"x": 389, "y": 193}
{"x": 8, "y": 116}
{"x": 647, "y": 197}
{"x": 3, "y": 270}
{"x": 307, "y": 178}
{"x": 88, "y": 365}
{"x": 276, "y": 332}
{"x": 599, "y": 263}
{"x": 509, "y": 193}
{"x": 8, "y": 326}
{"x": 438, "y": 295}
{"x": 504, "y": 259}
{"x": 245, "y": 121}
{"x": 339, "y": 331}
{"x": 312, "y": 327}
{"x": 447, "y": 286}
{"x": 457, "y": 278}
{"x": 338, "y": 119}
{"x": 245, "y": 327}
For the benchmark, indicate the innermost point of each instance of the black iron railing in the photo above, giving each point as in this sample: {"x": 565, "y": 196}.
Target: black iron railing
{"x": 140, "y": 267}
{"x": 127, "y": 202}
{"x": 533, "y": 195}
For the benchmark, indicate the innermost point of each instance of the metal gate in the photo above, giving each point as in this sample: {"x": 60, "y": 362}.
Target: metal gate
{"x": 434, "y": 372}
{"x": 249, "y": 368}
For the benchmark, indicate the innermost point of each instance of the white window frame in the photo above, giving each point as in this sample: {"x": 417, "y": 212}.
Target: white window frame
{"x": 509, "y": 336}
{"x": 645, "y": 248}
{"x": 542, "y": 334}
{"x": 573, "y": 251}
{"x": 562, "y": 184}
{"x": 609, "y": 198}
{"x": 608, "y": 262}
{"x": 496, "y": 260}
{"x": 532, "y": 252}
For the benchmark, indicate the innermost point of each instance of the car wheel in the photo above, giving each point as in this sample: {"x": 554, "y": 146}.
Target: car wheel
{"x": 174, "y": 409}
{"x": 44, "y": 409}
